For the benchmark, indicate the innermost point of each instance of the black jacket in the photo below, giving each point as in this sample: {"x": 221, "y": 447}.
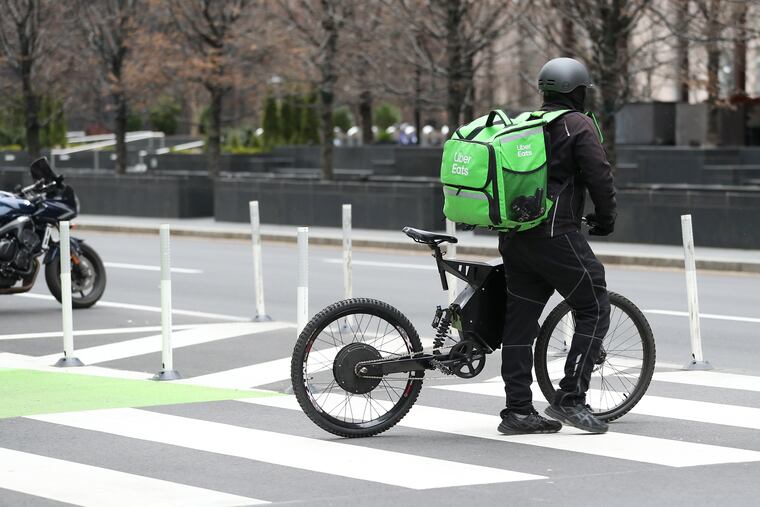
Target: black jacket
{"x": 576, "y": 157}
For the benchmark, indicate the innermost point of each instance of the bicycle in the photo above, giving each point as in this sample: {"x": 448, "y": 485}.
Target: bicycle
{"x": 358, "y": 365}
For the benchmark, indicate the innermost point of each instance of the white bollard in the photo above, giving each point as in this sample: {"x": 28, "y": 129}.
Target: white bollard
{"x": 167, "y": 371}
{"x": 347, "y": 272}
{"x": 697, "y": 361}
{"x": 451, "y": 253}
{"x": 302, "y": 304}
{"x": 64, "y": 254}
{"x": 258, "y": 276}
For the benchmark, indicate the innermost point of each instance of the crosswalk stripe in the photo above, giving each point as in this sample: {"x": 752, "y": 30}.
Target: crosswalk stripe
{"x": 660, "y": 451}
{"x": 394, "y": 468}
{"x": 710, "y": 379}
{"x": 146, "y": 308}
{"x": 657, "y": 406}
{"x": 94, "y": 332}
{"x": 246, "y": 376}
{"x": 260, "y": 374}
{"x": 85, "y": 485}
{"x": 149, "y": 344}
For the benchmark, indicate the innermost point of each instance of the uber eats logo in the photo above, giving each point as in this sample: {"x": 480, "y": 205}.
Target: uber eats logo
{"x": 460, "y": 164}
{"x": 524, "y": 150}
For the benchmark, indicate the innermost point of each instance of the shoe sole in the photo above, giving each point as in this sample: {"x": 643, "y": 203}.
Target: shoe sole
{"x": 559, "y": 416}
{"x": 517, "y": 432}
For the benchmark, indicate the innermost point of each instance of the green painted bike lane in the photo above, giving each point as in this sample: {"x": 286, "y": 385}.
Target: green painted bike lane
{"x": 29, "y": 392}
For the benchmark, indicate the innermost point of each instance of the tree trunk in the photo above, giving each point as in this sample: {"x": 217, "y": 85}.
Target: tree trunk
{"x": 454, "y": 70}
{"x": 418, "y": 103}
{"x": 32, "y": 122}
{"x": 713, "y": 66}
{"x": 468, "y": 80}
{"x": 327, "y": 134}
{"x": 740, "y": 49}
{"x": 568, "y": 38}
{"x": 613, "y": 74}
{"x": 365, "y": 116}
{"x": 525, "y": 95}
{"x": 214, "y": 150}
{"x": 682, "y": 22}
{"x": 120, "y": 131}
{"x": 489, "y": 95}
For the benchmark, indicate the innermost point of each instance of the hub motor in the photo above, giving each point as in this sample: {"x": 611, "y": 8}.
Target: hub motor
{"x": 344, "y": 367}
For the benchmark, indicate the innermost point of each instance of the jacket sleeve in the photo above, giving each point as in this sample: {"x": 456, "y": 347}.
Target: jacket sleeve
{"x": 594, "y": 168}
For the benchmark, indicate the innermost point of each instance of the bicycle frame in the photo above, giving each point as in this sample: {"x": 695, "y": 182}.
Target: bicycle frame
{"x": 481, "y": 306}
{"x": 477, "y": 313}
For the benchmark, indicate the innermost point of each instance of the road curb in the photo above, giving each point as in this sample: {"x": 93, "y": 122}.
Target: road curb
{"x": 316, "y": 239}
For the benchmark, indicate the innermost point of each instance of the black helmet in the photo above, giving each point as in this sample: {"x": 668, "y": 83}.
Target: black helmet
{"x": 563, "y": 75}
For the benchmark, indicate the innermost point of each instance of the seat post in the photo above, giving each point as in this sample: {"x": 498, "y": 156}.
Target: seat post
{"x": 439, "y": 263}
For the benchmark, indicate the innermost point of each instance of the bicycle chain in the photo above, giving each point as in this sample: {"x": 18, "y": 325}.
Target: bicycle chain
{"x": 438, "y": 365}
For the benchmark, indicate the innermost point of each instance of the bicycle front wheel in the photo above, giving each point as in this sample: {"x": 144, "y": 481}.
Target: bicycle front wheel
{"x": 324, "y": 368}
{"x": 622, "y": 371}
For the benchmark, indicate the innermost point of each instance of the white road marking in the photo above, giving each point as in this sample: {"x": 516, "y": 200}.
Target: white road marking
{"x": 86, "y": 485}
{"x": 18, "y": 361}
{"x": 152, "y": 309}
{"x": 148, "y": 344}
{"x": 378, "y": 264}
{"x": 659, "y": 451}
{"x": 94, "y": 332}
{"x": 712, "y": 316}
{"x": 261, "y": 373}
{"x": 656, "y": 406}
{"x": 246, "y": 376}
{"x": 347, "y": 460}
{"x": 710, "y": 379}
{"x": 143, "y": 267}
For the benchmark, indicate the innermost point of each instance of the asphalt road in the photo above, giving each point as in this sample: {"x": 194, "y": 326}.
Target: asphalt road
{"x": 213, "y": 284}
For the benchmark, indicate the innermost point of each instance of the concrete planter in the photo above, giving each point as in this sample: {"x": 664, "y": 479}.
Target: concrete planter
{"x": 12, "y": 176}
{"x": 649, "y": 123}
{"x": 692, "y": 120}
{"x": 376, "y": 204}
{"x": 722, "y": 216}
{"x": 414, "y": 161}
{"x": 145, "y": 195}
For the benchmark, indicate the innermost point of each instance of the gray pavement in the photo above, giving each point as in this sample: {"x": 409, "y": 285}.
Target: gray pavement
{"x": 217, "y": 289}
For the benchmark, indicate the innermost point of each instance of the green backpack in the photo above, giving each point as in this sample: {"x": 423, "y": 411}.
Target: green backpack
{"x": 495, "y": 171}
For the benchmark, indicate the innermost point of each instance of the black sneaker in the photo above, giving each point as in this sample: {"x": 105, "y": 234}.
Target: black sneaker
{"x": 579, "y": 416}
{"x": 520, "y": 424}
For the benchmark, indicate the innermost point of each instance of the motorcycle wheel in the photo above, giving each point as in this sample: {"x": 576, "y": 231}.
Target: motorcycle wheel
{"x": 88, "y": 278}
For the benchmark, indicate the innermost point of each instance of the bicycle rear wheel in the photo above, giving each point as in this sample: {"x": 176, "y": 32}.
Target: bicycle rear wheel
{"x": 324, "y": 363}
{"x": 624, "y": 368}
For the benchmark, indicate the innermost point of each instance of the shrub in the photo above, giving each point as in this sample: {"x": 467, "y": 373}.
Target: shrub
{"x": 342, "y": 118}
{"x": 386, "y": 115}
{"x": 310, "y": 120}
{"x": 163, "y": 116}
{"x": 271, "y": 122}
{"x": 134, "y": 121}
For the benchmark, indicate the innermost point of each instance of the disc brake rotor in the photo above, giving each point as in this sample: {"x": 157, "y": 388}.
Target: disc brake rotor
{"x": 84, "y": 278}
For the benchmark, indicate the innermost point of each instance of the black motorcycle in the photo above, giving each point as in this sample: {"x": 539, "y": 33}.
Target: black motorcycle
{"x": 28, "y": 218}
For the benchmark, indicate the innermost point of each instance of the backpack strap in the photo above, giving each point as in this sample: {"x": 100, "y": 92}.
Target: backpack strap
{"x": 550, "y": 116}
{"x": 500, "y": 114}
{"x": 495, "y": 117}
{"x": 596, "y": 124}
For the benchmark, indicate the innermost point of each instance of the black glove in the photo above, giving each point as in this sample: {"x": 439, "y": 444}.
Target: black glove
{"x": 600, "y": 225}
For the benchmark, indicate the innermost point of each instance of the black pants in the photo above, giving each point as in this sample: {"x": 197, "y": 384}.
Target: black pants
{"x": 534, "y": 268}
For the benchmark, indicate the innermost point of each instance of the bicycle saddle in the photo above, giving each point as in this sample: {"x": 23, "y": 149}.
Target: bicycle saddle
{"x": 427, "y": 237}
